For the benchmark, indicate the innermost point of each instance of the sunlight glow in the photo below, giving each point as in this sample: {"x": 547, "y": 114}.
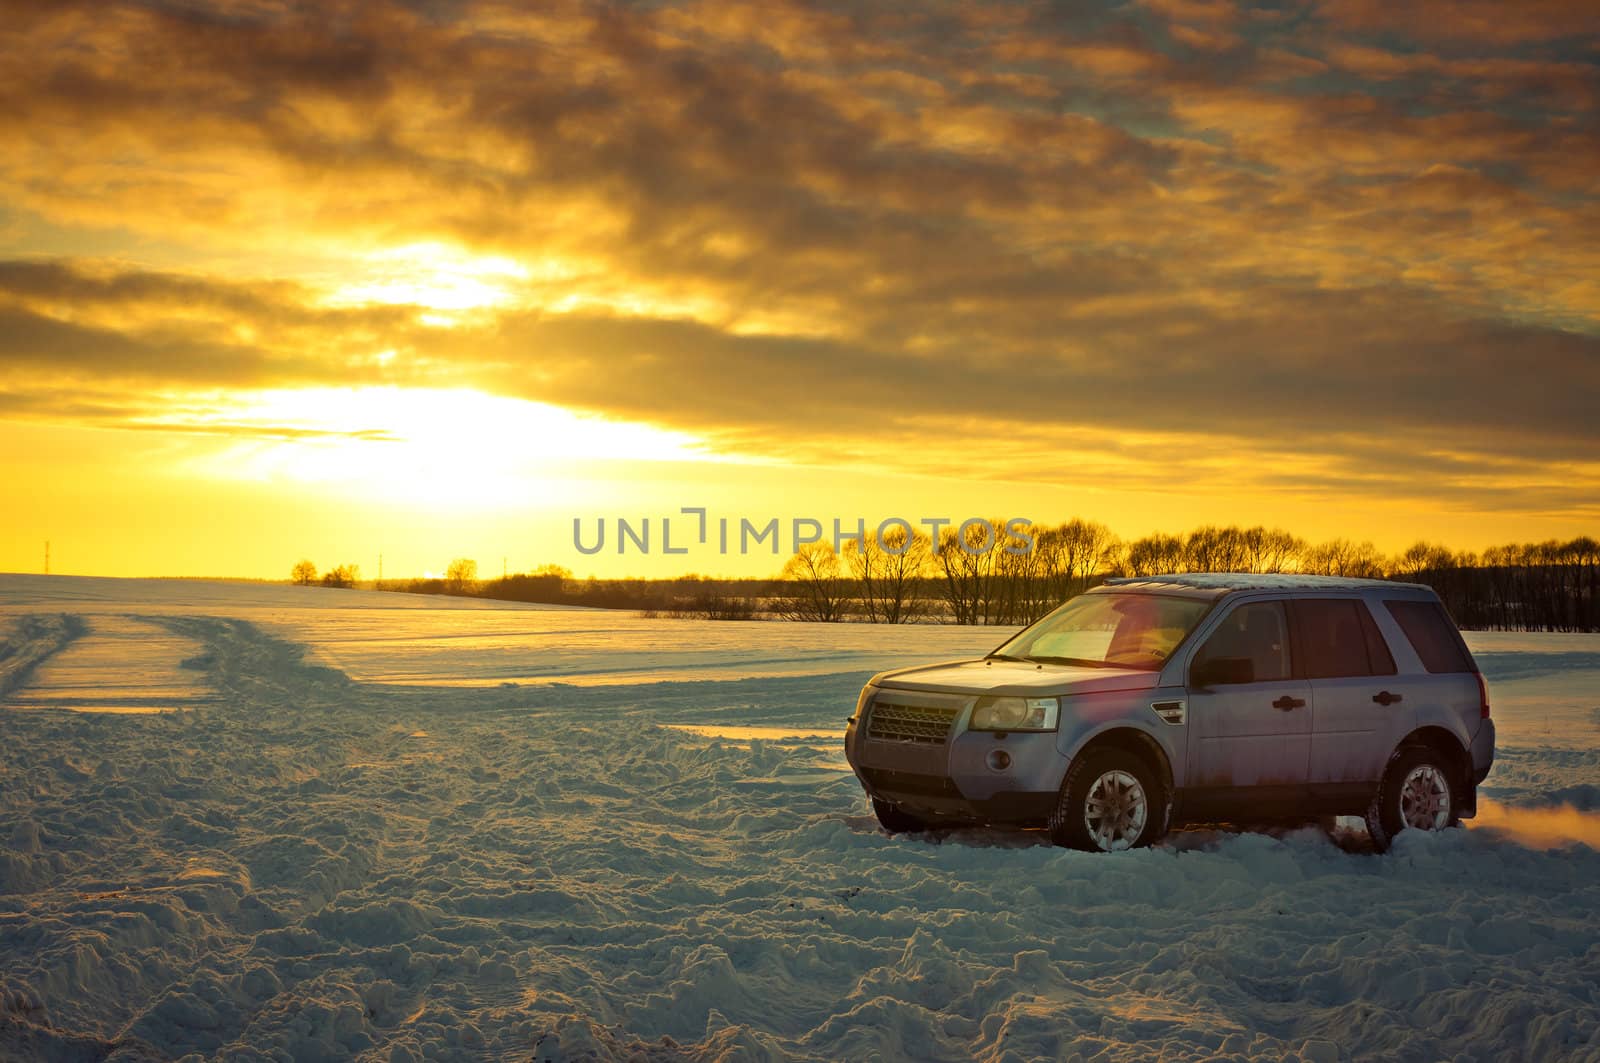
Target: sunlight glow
{"x": 437, "y": 276}
{"x": 459, "y": 446}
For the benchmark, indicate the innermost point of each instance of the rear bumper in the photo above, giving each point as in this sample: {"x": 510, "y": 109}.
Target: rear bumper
{"x": 1481, "y": 754}
{"x": 1482, "y": 751}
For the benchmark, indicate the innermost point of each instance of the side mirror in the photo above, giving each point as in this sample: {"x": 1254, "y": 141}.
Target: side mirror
{"x": 1223, "y": 671}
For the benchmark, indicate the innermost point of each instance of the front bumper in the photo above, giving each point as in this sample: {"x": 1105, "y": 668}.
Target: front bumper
{"x": 949, "y": 777}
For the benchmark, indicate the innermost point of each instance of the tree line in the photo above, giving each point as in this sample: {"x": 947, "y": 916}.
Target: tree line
{"x": 304, "y": 574}
{"x": 1549, "y": 586}
{"x": 982, "y": 575}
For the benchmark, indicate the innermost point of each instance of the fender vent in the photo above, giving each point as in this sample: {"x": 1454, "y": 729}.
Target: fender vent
{"x": 1172, "y": 712}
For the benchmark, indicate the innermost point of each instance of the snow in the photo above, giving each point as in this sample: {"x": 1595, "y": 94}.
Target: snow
{"x": 397, "y": 828}
{"x": 1242, "y": 581}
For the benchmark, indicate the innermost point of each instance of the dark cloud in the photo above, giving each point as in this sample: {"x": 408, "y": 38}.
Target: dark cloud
{"x": 1334, "y": 365}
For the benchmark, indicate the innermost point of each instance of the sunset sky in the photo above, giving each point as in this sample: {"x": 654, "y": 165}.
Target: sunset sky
{"x": 431, "y": 280}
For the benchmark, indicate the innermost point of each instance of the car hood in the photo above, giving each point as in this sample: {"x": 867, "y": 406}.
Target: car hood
{"x": 1022, "y": 678}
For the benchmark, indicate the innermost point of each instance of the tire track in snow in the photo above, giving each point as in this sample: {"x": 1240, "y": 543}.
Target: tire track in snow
{"x": 35, "y": 638}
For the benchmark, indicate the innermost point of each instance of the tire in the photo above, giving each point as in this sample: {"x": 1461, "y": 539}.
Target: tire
{"x": 1109, "y": 801}
{"x": 894, "y": 820}
{"x": 1419, "y": 791}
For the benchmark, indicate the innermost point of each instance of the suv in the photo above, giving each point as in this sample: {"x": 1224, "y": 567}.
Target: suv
{"x": 1160, "y": 700}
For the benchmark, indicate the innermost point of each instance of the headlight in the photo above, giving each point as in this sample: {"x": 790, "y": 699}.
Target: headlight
{"x": 1015, "y": 714}
{"x": 865, "y": 699}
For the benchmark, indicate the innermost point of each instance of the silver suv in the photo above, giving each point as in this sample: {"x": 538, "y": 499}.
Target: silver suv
{"x": 1150, "y": 702}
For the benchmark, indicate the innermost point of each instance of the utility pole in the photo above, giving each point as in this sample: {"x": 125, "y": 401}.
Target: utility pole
{"x": 502, "y": 568}
{"x": 47, "y": 557}
{"x": 380, "y": 568}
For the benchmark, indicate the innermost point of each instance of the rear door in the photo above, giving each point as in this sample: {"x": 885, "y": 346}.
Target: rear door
{"x": 1358, "y": 707}
{"x": 1445, "y": 690}
{"x": 1249, "y": 741}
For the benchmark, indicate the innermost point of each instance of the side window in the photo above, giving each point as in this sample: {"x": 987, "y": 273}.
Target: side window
{"x": 1339, "y": 638}
{"x": 1432, "y": 634}
{"x": 1253, "y": 636}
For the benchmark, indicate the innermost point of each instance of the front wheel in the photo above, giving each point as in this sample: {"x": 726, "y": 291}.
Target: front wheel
{"x": 1108, "y": 802}
{"x": 1417, "y": 792}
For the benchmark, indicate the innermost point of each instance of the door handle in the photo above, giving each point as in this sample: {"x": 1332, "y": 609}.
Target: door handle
{"x": 1286, "y": 703}
{"x": 1383, "y": 697}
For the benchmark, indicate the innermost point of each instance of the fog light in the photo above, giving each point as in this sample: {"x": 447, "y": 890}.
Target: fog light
{"x": 999, "y": 759}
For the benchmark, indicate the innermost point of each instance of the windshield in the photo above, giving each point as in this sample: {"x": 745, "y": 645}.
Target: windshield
{"x": 1109, "y": 631}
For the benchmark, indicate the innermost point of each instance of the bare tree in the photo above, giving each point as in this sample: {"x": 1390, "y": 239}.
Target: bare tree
{"x": 1098, "y": 550}
{"x": 461, "y": 576}
{"x": 971, "y": 564}
{"x": 1018, "y": 571}
{"x": 816, "y": 588}
{"x": 1421, "y": 557}
{"x": 1155, "y": 554}
{"x": 1341, "y": 557}
{"x": 1212, "y": 549}
{"x": 890, "y": 573}
{"x": 304, "y": 573}
{"x": 1270, "y": 550}
{"x": 1069, "y": 556}
{"x": 341, "y": 576}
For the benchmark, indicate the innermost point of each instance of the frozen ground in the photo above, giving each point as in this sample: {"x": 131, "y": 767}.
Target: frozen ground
{"x": 402, "y": 828}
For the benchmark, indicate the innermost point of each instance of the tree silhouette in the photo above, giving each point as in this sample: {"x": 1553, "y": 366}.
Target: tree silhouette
{"x": 975, "y": 568}
{"x": 1341, "y": 557}
{"x": 304, "y": 573}
{"x": 890, "y": 572}
{"x": 1156, "y": 554}
{"x": 819, "y": 590}
{"x": 341, "y": 576}
{"x": 461, "y": 575}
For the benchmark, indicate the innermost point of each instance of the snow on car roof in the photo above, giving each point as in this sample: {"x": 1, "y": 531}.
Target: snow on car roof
{"x": 1223, "y": 582}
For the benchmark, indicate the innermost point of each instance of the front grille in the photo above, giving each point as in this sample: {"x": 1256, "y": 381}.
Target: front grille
{"x": 910, "y": 723}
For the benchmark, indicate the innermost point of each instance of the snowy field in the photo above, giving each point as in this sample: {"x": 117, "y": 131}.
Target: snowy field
{"x": 265, "y": 822}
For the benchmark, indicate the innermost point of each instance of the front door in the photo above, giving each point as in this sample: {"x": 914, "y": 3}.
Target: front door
{"x": 1249, "y": 718}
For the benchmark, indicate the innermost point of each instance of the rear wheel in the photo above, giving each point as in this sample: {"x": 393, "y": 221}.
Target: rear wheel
{"x": 894, "y": 820}
{"x": 1108, "y": 802}
{"x": 1418, "y": 792}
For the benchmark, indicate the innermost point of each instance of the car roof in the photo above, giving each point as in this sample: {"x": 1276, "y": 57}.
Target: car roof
{"x": 1216, "y": 584}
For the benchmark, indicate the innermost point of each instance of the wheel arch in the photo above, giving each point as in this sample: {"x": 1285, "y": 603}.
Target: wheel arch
{"x": 1446, "y": 744}
{"x": 1136, "y": 741}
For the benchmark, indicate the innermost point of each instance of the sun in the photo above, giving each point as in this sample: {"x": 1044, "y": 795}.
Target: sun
{"x": 455, "y": 446}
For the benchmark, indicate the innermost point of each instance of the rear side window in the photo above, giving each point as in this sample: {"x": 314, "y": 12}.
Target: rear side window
{"x": 1339, "y": 638}
{"x": 1432, "y": 635}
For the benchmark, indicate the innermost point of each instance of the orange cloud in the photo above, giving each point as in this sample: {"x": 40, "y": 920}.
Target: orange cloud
{"x": 769, "y": 223}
